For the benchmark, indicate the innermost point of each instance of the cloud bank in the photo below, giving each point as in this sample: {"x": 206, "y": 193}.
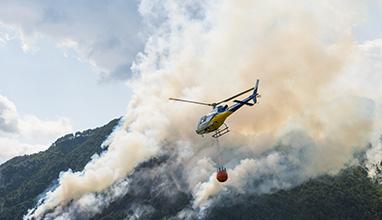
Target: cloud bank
{"x": 106, "y": 34}
{"x": 26, "y": 134}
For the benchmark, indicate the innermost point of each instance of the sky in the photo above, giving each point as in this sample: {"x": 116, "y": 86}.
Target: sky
{"x": 65, "y": 66}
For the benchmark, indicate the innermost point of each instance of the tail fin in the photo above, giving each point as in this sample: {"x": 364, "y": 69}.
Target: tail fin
{"x": 255, "y": 94}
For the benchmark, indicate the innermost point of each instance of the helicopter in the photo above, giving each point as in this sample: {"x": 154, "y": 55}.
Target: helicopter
{"x": 213, "y": 121}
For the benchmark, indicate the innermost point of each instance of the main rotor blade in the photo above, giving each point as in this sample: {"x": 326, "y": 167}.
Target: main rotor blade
{"x": 226, "y": 100}
{"x": 183, "y": 100}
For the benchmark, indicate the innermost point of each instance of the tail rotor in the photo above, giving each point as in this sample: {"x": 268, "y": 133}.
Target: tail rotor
{"x": 255, "y": 94}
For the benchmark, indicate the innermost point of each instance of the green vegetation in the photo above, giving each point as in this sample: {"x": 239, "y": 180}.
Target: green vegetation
{"x": 23, "y": 178}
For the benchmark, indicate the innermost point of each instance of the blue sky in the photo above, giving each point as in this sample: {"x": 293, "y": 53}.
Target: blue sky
{"x": 371, "y": 27}
{"x": 48, "y": 84}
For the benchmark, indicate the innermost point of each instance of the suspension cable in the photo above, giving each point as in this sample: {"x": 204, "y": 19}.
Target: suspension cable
{"x": 219, "y": 159}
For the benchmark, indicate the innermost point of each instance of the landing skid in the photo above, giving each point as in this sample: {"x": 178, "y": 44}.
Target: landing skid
{"x": 221, "y": 131}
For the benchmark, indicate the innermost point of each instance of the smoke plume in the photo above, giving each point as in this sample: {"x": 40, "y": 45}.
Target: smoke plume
{"x": 307, "y": 122}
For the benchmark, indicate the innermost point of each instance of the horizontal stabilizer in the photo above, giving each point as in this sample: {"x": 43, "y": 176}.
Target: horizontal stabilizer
{"x": 244, "y": 103}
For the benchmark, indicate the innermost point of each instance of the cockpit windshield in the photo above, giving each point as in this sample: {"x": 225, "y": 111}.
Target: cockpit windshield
{"x": 203, "y": 119}
{"x": 206, "y": 118}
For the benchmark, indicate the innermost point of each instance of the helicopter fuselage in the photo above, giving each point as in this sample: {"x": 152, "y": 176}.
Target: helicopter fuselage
{"x": 213, "y": 120}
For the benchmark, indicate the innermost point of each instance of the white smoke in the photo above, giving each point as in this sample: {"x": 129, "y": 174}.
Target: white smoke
{"x": 90, "y": 204}
{"x": 307, "y": 123}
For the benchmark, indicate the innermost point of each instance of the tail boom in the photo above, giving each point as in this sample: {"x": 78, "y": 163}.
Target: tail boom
{"x": 239, "y": 103}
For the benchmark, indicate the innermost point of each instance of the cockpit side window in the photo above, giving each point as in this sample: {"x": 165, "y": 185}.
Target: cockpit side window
{"x": 203, "y": 119}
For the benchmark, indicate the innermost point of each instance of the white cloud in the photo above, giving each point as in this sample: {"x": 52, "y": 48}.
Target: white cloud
{"x": 8, "y": 115}
{"x": 107, "y": 34}
{"x": 26, "y": 134}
